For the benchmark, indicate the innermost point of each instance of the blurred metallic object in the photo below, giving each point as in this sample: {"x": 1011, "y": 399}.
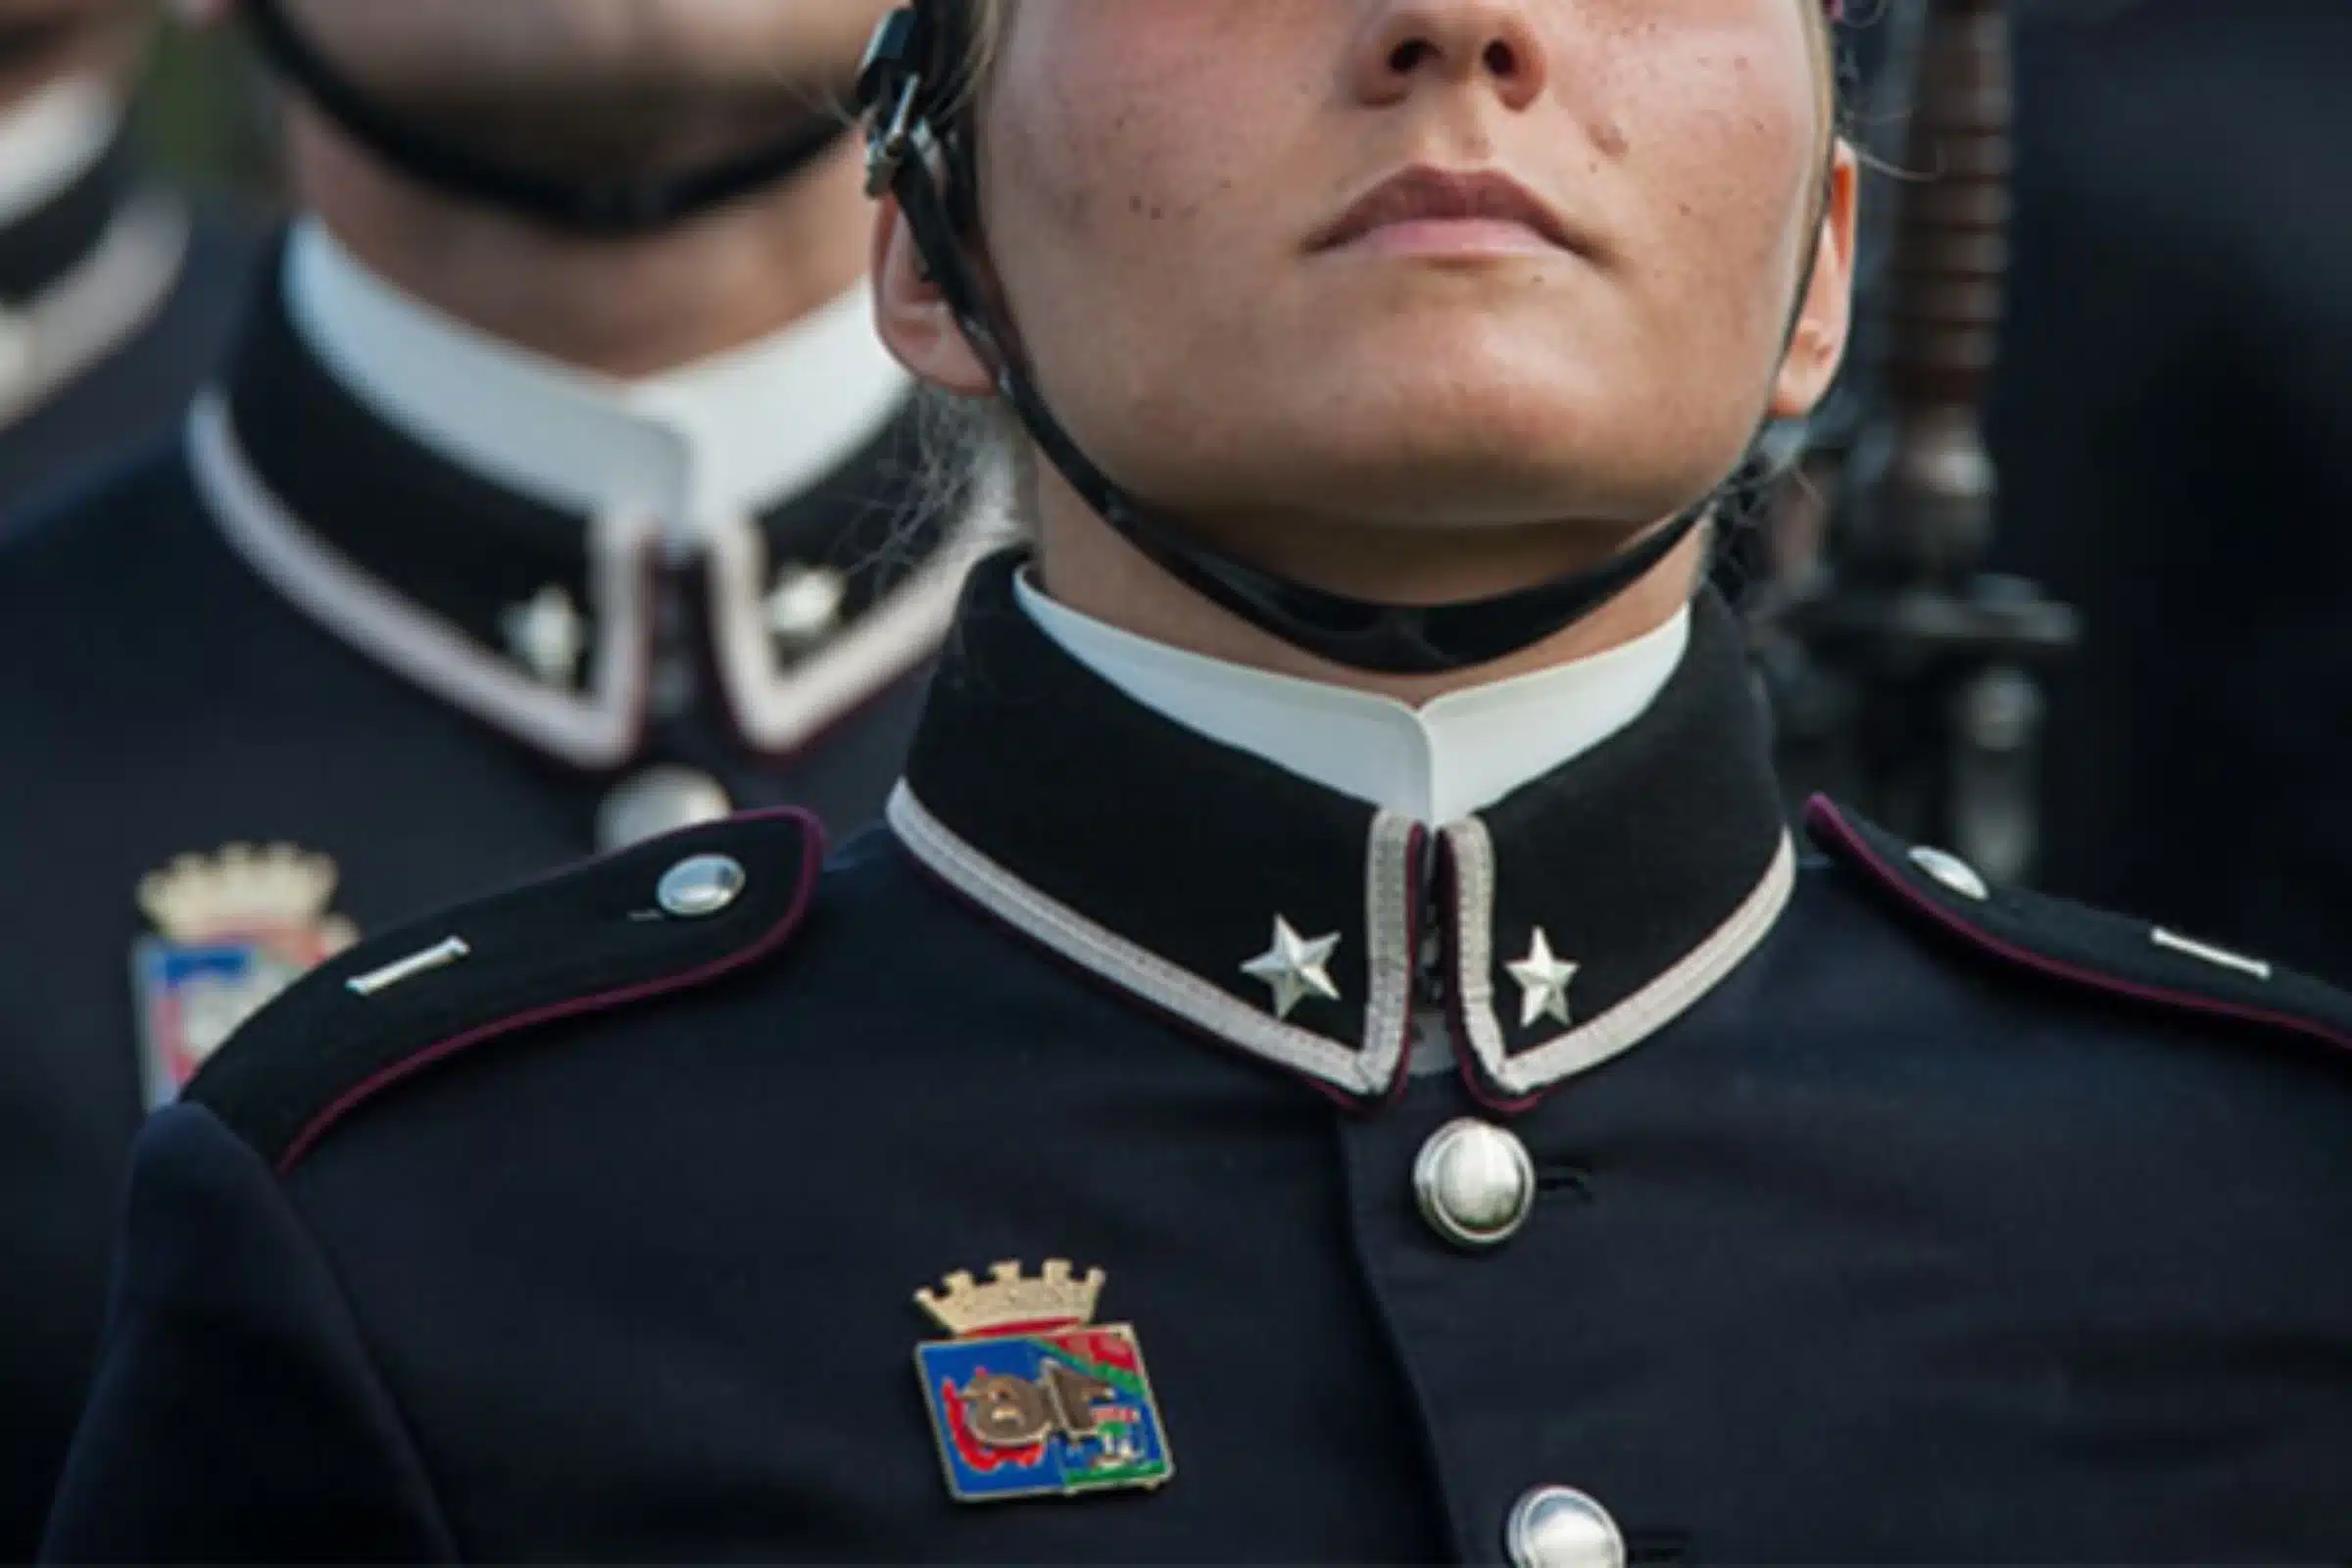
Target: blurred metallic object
{"x": 663, "y": 799}
{"x": 1903, "y": 678}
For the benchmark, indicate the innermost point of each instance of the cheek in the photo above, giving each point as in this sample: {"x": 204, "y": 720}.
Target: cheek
{"x": 1120, "y": 168}
{"x": 1151, "y": 167}
{"x": 1731, "y": 178}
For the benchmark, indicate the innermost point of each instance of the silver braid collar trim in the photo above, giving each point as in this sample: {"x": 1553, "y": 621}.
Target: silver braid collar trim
{"x": 1367, "y": 1070}
{"x": 1629, "y": 1023}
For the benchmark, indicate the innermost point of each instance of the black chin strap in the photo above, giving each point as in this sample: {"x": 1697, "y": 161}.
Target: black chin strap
{"x": 902, "y": 76}
{"x": 1391, "y": 639}
{"x": 600, "y": 208}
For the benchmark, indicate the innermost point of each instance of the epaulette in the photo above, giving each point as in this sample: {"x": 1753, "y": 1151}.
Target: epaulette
{"x": 2133, "y": 962}
{"x": 668, "y": 915}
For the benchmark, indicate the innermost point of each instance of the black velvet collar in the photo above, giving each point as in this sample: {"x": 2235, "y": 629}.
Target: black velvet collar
{"x": 433, "y": 568}
{"x": 1200, "y": 880}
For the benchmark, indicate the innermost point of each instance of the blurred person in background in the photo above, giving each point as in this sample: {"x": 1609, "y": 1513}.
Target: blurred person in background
{"x": 557, "y": 496}
{"x": 2171, "y": 430}
{"x": 117, "y": 295}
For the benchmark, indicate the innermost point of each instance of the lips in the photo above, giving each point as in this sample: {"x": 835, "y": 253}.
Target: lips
{"x": 1424, "y": 195}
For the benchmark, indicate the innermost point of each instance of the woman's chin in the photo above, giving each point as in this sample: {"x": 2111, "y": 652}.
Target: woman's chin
{"x": 1460, "y": 462}
{"x": 1415, "y": 451}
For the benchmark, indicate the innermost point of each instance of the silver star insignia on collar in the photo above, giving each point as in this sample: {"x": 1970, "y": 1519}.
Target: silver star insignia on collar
{"x": 549, "y": 635}
{"x": 806, "y": 604}
{"x": 1293, "y": 967}
{"x": 1543, "y": 982}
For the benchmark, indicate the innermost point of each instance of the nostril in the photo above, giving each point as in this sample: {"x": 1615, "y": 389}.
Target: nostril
{"x": 1502, "y": 59}
{"x": 1410, "y": 55}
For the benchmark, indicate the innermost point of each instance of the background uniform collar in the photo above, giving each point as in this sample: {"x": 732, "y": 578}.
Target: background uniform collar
{"x": 696, "y": 450}
{"x": 86, "y": 260}
{"x": 586, "y": 632}
{"x": 1558, "y": 928}
{"x": 52, "y": 140}
{"x": 1456, "y": 755}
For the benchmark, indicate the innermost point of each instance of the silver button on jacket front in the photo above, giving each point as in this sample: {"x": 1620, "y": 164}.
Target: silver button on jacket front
{"x": 1475, "y": 1184}
{"x": 1559, "y": 1527}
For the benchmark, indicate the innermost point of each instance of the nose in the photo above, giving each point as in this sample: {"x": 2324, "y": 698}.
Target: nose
{"x": 1410, "y": 45}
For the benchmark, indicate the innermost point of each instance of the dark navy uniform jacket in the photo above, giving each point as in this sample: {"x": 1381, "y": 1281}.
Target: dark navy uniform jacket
{"x": 122, "y": 298}
{"x": 289, "y": 629}
{"x": 1871, "y": 1214}
{"x": 2172, "y": 431}
{"x": 118, "y": 299}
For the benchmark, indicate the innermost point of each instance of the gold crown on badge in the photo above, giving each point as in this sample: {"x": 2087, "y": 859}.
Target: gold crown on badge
{"x": 1056, "y": 1295}
{"x": 239, "y": 890}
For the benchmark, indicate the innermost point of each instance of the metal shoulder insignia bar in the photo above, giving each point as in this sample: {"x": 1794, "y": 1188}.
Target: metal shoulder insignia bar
{"x": 2086, "y": 949}
{"x": 665, "y": 916}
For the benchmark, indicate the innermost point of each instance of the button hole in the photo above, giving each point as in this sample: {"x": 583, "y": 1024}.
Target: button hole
{"x": 1574, "y": 1180}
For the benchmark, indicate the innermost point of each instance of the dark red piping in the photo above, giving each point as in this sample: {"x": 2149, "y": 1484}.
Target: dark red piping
{"x": 812, "y": 864}
{"x": 1823, "y": 819}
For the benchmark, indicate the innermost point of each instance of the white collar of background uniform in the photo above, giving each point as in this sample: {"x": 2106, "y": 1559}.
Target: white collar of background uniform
{"x": 698, "y": 450}
{"x": 52, "y": 139}
{"x": 1436, "y": 763}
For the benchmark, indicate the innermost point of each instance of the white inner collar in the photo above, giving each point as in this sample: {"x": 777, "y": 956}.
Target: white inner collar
{"x": 52, "y": 139}
{"x": 697, "y": 450}
{"x": 1437, "y": 764}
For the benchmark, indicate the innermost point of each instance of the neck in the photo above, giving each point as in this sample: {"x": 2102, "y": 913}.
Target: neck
{"x": 626, "y": 307}
{"x": 35, "y": 57}
{"x": 1089, "y": 568}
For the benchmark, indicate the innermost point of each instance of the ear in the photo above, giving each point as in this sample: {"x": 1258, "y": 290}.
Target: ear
{"x": 913, "y": 316}
{"x": 1825, "y": 318}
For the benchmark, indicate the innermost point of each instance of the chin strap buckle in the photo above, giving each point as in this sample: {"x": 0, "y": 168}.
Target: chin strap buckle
{"x": 891, "y": 143}
{"x": 890, "y": 87}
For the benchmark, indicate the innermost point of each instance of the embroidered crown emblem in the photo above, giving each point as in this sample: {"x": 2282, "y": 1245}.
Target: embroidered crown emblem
{"x": 241, "y": 890}
{"x": 1010, "y": 1299}
{"x": 1033, "y": 1399}
{"x": 232, "y": 930}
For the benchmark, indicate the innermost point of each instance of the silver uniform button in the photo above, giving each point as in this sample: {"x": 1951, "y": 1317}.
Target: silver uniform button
{"x": 1475, "y": 1184}
{"x": 1953, "y": 872}
{"x": 702, "y": 886}
{"x": 1559, "y": 1527}
{"x": 660, "y": 799}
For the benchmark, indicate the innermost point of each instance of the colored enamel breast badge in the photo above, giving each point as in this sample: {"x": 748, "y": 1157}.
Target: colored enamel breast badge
{"x": 232, "y": 929}
{"x": 1033, "y": 1398}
